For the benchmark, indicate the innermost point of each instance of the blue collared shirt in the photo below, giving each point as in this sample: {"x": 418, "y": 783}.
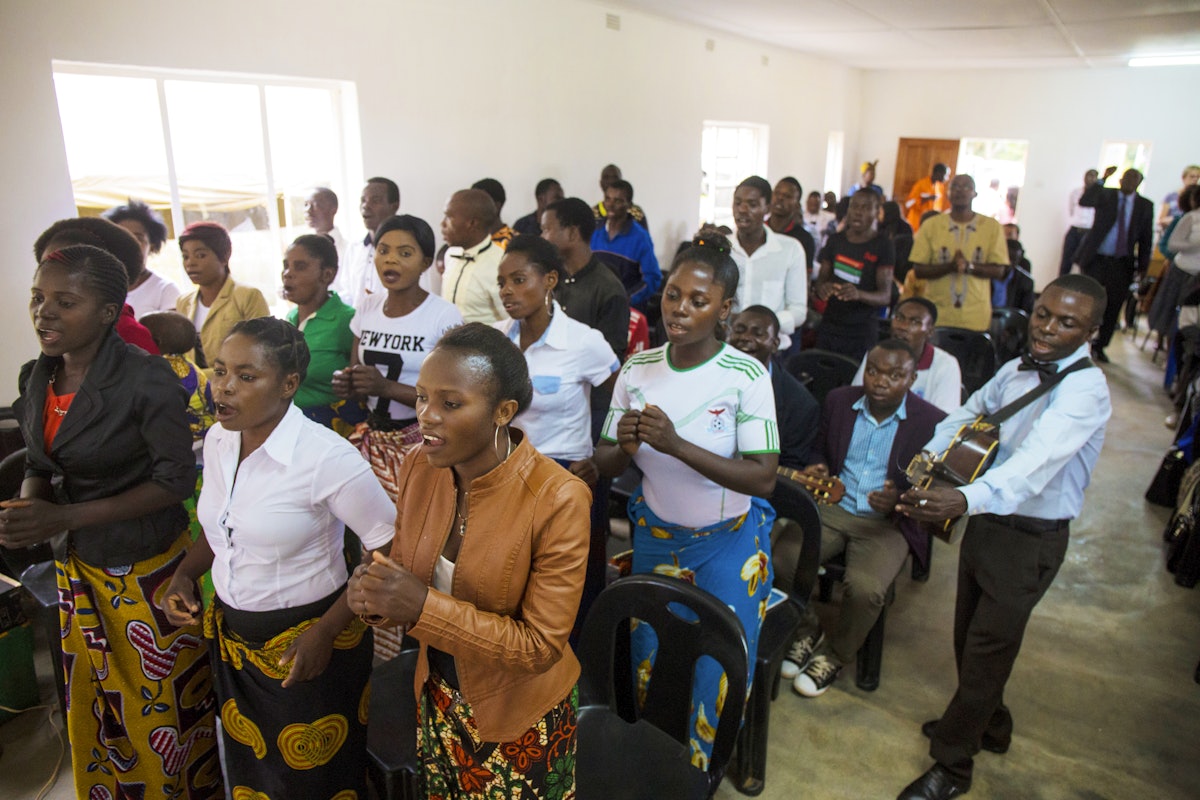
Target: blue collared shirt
{"x": 1047, "y": 450}
{"x": 866, "y": 464}
{"x": 1108, "y": 247}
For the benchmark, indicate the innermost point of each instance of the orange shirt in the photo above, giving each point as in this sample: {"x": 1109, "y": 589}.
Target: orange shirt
{"x": 919, "y": 206}
{"x": 53, "y": 413}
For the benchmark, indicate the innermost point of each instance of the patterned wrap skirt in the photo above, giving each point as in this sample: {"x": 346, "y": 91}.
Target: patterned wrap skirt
{"x": 308, "y": 740}
{"x": 730, "y": 560}
{"x": 386, "y": 447}
{"x": 140, "y": 706}
{"x": 456, "y": 764}
{"x": 341, "y": 416}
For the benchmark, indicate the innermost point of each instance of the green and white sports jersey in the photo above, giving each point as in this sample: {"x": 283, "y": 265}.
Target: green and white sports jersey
{"x": 725, "y": 405}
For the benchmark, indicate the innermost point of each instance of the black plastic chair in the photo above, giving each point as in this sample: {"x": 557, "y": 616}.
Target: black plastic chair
{"x": 34, "y": 568}
{"x": 975, "y": 354}
{"x": 392, "y": 728}
{"x": 624, "y": 752}
{"x": 1009, "y": 332}
{"x": 628, "y": 270}
{"x": 822, "y": 371}
{"x": 778, "y": 632}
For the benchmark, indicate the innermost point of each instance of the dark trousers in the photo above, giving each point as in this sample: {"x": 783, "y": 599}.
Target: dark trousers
{"x": 1003, "y": 572}
{"x": 1115, "y": 274}
{"x": 1071, "y": 243}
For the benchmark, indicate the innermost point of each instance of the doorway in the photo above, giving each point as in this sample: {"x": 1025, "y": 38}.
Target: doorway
{"x": 915, "y": 159}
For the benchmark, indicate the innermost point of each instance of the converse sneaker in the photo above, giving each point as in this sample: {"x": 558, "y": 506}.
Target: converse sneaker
{"x": 797, "y": 658}
{"x": 818, "y": 676}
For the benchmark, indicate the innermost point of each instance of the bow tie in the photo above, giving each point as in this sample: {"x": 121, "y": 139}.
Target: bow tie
{"x": 465, "y": 257}
{"x": 1046, "y": 369}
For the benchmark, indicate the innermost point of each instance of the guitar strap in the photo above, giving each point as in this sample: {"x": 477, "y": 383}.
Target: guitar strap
{"x": 1044, "y": 386}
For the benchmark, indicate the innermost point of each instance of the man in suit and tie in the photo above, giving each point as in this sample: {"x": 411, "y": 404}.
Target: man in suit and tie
{"x": 1117, "y": 247}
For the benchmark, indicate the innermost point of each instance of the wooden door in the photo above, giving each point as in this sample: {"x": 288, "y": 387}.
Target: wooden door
{"x": 915, "y": 159}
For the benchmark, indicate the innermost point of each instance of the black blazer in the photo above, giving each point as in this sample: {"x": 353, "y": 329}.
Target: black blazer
{"x": 1141, "y": 224}
{"x": 913, "y": 432}
{"x": 127, "y": 425}
{"x": 799, "y": 416}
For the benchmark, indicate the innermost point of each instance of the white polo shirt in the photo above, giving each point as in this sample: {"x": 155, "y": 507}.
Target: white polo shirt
{"x": 276, "y": 522}
{"x": 564, "y": 365}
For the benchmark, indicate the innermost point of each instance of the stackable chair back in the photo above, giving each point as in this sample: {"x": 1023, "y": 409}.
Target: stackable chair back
{"x": 629, "y": 752}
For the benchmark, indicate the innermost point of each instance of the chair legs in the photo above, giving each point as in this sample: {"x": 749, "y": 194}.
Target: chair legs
{"x": 750, "y": 758}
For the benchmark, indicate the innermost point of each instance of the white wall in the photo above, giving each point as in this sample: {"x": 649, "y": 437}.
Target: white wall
{"x": 449, "y": 92}
{"x": 1064, "y": 114}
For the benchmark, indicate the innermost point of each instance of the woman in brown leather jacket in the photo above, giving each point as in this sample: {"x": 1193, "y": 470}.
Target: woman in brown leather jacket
{"x": 486, "y": 571}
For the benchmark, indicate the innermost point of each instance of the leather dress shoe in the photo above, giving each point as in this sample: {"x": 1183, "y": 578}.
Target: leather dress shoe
{"x": 989, "y": 742}
{"x": 936, "y": 784}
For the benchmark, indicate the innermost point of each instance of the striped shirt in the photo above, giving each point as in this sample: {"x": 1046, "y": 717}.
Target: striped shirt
{"x": 866, "y": 465}
{"x": 725, "y": 405}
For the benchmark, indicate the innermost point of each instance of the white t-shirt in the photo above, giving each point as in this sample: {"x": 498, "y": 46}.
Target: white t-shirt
{"x": 564, "y": 365}
{"x": 276, "y": 522}
{"x": 725, "y": 405}
{"x": 155, "y": 294}
{"x": 397, "y": 346}
{"x": 201, "y": 315}
{"x": 940, "y": 385}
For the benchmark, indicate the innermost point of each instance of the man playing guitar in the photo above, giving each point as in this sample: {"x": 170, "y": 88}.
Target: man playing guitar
{"x": 1019, "y": 511}
{"x": 868, "y": 435}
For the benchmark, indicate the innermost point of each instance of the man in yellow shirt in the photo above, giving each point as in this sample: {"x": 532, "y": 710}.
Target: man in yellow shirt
{"x": 959, "y": 255}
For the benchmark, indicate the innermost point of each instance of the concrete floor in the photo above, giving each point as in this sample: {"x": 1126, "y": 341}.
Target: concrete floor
{"x": 1103, "y": 695}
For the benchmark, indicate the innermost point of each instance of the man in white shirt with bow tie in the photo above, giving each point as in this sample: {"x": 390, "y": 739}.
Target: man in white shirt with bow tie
{"x": 472, "y": 258}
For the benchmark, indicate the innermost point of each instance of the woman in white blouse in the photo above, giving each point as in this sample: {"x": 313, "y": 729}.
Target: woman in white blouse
{"x": 290, "y": 661}
{"x": 566, "y": 359}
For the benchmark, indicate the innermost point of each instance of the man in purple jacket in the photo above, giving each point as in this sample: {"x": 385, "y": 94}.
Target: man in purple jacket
{"x": 868, "y": 435}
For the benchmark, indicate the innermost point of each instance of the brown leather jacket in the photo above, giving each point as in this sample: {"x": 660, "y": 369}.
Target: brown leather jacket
{"x": 517, "y": 582}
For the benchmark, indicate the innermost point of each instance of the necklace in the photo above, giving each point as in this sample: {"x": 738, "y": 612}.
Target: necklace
{"x": 458, "y": 515}
{"x": 61, "y": 412}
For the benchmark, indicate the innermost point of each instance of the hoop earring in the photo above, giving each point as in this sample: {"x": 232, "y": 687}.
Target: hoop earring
{"x": 496, "y": 443}
{"x": 550, "y": 302}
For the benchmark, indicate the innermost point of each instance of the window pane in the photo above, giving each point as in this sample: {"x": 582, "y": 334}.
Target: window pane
{"x": 111, "y": 162}
{"x": 304, "y": 147}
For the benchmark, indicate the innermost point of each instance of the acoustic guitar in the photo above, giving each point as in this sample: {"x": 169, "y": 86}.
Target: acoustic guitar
{"x": 971, "y": 452}
{"x": 825, "y": 490}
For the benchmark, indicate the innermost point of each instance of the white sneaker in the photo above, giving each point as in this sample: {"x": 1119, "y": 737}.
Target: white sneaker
{"x": 797, "y": 658}
{"x": 818, "y": 676}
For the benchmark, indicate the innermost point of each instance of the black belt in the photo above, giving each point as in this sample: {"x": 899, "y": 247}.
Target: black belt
{"x": 258, "y": 627}
{"x": 1033, "y": 525}
{"x": 442, "y": 663}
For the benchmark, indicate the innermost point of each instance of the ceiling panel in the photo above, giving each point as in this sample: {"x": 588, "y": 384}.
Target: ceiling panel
{"x": 971, "y": 14}
{"x": 1165, "y": 35}
{"x": 1070, "y": 11}
{"x": 895, "y": 34}
{"x": 1045, "y": 42}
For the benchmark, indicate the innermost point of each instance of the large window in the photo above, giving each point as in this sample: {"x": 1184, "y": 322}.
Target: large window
{"x": 1125, "y": 155}
{"x": 998, "y": 167}
{"x": 238, "y": 150}
{"x": 729, "y": 153}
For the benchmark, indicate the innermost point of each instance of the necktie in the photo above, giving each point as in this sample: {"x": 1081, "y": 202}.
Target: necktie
{"x": 1122, "y": 246}
{"x": 1045, "y": 369}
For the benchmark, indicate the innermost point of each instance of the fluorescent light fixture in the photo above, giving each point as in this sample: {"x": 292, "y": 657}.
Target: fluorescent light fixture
{"x": 1165, "y": 61}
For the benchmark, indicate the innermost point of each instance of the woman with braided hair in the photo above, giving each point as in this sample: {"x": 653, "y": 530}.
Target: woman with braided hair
{"x": 290, "y": 661}
{"x": 698, "y": 418}
{"x": 109, "y": 461}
